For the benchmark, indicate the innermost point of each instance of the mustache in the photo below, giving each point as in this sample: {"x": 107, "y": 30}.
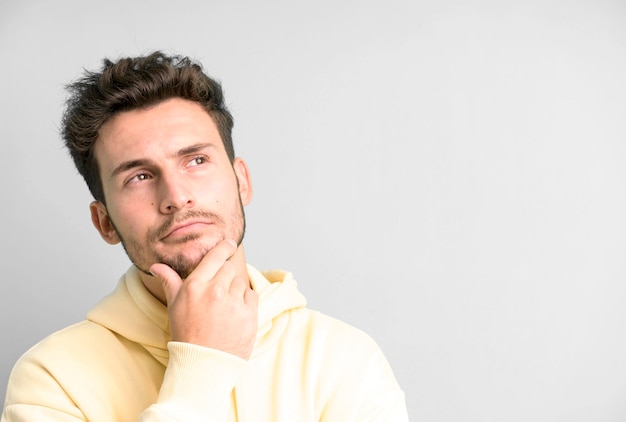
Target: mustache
{"x": 161, "y": 231}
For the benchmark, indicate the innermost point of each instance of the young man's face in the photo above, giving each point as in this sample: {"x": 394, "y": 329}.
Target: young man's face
{"x": 171, "y": 192}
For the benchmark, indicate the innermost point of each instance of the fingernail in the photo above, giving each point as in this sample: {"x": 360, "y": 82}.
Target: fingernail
{"x": 232, "y": 242}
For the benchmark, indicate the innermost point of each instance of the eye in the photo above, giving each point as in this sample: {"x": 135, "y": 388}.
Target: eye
{"x": 197, "y": 161}
{"x": 139, "y": 177}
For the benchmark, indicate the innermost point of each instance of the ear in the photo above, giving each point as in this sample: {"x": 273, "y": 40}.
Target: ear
{"x": 102, "y": 223}
{"x": 243, "y": 177}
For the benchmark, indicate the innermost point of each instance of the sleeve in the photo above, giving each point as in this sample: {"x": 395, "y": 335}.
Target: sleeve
{"x": 380, "y": 397}
{"x": 34, "y": 394}
{"x": 197, "y": 385}
{"x": 364, "y": 387}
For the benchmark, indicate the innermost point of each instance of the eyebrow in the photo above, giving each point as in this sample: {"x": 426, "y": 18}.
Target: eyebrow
{"x": 131, "y": 164}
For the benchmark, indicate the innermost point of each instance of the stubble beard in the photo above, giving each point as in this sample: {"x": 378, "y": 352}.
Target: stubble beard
{"x": 182, "y": 263}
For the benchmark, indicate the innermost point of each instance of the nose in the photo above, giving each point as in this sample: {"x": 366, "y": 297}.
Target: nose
{"x": 175, "y": 194}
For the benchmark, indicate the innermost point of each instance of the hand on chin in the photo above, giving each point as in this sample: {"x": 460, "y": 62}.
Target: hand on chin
{"x": 185, "y": 258}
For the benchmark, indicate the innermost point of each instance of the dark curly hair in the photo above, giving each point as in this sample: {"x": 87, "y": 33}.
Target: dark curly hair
{"x": 132, "y": 83}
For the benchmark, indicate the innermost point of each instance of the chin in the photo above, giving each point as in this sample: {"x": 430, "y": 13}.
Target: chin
{"x": 183, "y": 264}
{"x": 188, "y": 256}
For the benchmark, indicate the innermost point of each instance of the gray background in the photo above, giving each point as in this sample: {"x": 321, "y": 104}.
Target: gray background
{"x": 447, "y": 175}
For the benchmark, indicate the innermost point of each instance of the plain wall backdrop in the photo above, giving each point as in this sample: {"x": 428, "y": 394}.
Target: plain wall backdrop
{"x": 448, "y": 176}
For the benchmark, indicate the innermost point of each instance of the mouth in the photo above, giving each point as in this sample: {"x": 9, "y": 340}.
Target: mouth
{"x": 186, "y": 229}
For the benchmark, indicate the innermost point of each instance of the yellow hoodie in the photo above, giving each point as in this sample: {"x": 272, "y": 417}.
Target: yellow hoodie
{"x": 119, "y": 365}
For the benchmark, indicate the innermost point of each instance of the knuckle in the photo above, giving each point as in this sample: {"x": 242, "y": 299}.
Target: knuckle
{"x": 192, "y": 287}
{"x": 216, "y": 292}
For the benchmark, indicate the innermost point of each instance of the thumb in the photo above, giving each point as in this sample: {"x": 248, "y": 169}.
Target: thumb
{"x": 170, "y": 280}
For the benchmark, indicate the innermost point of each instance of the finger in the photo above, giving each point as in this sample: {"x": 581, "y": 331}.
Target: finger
{"x": 224, "y": 277}
{"x": 239, "y": 286}
{"x": 250, "y": 297}
{"x": 170, "y": 280}
{"x": 214, "y": 260}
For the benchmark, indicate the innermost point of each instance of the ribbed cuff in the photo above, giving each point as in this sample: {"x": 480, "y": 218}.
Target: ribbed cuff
{"x": 198, "y": 382}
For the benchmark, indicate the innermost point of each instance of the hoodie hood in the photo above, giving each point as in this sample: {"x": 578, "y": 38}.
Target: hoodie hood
{"x": 133, "y": 313}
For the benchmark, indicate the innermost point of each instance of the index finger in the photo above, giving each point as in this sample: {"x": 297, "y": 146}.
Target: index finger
{"x": 214, "y": 260}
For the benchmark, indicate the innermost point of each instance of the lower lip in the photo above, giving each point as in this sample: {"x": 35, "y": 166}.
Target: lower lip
{"x": 186, "y": 230}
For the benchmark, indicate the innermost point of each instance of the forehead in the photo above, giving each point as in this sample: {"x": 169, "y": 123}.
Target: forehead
{"x": 158, "y": 131}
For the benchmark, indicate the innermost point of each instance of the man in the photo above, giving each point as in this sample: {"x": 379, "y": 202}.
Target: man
{"x": 192, "y": 332}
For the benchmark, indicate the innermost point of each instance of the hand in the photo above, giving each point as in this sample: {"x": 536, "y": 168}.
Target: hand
{"x": 213, "y": 307}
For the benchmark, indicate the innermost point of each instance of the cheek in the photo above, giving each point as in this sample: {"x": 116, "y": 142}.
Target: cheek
{"x": 128, "y": 220}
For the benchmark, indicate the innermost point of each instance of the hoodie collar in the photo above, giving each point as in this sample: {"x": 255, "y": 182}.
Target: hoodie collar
{"x": 132, "y": 312}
